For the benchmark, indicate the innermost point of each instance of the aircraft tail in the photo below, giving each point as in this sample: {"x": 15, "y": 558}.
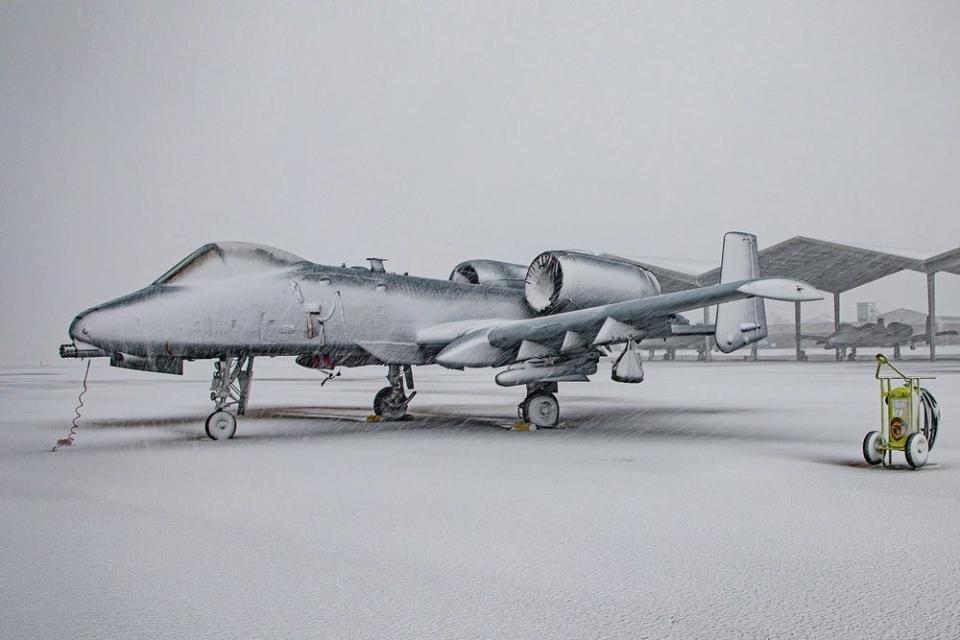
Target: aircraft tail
{"x": 740, "y": 322}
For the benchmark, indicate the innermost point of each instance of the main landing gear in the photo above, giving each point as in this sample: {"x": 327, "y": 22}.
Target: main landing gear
{"x": 391, "y": 402}
{"x": 540, "y": 407}
{"x": 230, "y": 388}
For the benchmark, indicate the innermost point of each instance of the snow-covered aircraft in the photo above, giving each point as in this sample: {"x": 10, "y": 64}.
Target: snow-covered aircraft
{"x": 851, "y": 337}
{"x": 545, "y": 323}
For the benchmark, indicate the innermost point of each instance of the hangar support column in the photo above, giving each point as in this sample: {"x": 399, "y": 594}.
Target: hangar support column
{"x": 796, "y": 320}
{"x": 932, "y": 314}
{"x": 706, "y": 339}
{"x": 836, "y": 322}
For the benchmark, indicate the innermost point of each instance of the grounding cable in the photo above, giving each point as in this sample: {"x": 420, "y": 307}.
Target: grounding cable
{"x": 66, "y": 442}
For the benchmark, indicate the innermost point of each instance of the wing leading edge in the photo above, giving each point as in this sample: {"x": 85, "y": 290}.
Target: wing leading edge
{"x": 499, "y": 342}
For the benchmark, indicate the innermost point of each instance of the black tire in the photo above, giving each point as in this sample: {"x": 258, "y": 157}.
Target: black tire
{"x": 385, "y": 407}
{"x": 870, "y": 453}
{"x": 221, "y": 425}
{"x": 532, "y": 413}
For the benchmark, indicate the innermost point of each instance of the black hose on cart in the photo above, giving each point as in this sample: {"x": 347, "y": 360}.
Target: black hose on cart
{"x": 931, "y": 416}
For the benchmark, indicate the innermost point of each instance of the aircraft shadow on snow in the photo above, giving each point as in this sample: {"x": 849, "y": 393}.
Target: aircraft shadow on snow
{"x": 299, "y": 422}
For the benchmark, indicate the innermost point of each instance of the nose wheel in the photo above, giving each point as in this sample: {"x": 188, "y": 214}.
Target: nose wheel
{"x": 221, "y": 425}
{"x": 390, "y": 405}
{"x": 230, "y": 388}
{"x": 391, "y": 402}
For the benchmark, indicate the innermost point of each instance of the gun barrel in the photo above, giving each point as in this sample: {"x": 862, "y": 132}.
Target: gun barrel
{"x": 73, "y": 351}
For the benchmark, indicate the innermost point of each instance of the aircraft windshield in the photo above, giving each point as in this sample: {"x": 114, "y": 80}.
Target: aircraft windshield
{"x": 227, "y": 259}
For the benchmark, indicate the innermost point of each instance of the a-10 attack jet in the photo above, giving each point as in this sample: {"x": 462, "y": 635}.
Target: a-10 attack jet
{"x": 545, "y": 323}
{"x": 851, "y": 337}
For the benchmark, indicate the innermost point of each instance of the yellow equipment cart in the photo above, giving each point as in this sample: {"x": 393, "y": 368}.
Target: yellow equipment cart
{"x": 909, "y": 419}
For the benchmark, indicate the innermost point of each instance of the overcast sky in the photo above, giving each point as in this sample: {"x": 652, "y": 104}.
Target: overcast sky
{"x": 427, "y": 133}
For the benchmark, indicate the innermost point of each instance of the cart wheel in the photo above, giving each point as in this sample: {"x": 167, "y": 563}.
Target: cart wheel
{"x": 916, "y": 450}
{"x": 872, "y": 452}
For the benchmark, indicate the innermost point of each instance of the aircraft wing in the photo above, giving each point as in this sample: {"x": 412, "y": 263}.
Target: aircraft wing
{"x": 504, "y": 341}
{"x": 817, "y": 339}
{"x": 924, "y": 338}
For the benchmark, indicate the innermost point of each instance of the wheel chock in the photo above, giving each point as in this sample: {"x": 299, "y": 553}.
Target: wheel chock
{"x": 520, "y": 425}
{"x": 373, "y": 418}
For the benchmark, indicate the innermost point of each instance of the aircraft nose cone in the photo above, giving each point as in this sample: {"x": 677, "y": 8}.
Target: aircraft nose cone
{"x": 80, "y": 328}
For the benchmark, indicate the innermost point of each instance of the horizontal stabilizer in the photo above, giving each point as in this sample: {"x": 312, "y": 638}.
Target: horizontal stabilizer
{"x": 692, "y": 329}
{"x": 781, "y": 289}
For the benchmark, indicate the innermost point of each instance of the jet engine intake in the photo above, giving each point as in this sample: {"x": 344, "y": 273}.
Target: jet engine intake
{"x": 490, "y": 273}
{"x": 566, "y": 280}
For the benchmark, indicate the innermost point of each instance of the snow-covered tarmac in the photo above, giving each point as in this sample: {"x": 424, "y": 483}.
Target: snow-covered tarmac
{"x": 719, "y": 500}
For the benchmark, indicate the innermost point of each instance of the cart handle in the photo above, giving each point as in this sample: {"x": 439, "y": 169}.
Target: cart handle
{"x": 882, "y": 360}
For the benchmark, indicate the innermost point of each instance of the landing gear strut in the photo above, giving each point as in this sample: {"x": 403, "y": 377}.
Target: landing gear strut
{"x": 391, "y": 402}
{"x": 540, "y": 407}
{"x": 230, "y": 388}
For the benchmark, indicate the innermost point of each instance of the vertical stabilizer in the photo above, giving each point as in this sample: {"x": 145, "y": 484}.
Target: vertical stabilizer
{"x": 740, "y": 322}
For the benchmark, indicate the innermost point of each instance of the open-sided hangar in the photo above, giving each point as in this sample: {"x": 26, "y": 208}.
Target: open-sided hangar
{"x": 832, "y": 267}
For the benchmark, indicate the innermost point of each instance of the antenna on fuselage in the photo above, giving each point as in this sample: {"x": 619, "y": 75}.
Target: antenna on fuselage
{"x": 376, "y": 265}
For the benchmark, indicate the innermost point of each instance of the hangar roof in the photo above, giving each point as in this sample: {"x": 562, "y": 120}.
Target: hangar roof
{"x": 829, "y": 266}
{"x": 948, "y": 261}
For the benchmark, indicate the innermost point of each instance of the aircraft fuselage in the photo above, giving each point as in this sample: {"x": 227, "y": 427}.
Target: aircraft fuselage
{"x": 308, "y": 308}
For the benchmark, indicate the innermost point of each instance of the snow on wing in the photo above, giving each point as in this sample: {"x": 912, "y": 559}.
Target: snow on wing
{"x": 584, "y": 329}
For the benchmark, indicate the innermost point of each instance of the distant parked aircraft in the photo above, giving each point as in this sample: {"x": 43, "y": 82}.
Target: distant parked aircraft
{"x": 851, "y": 337}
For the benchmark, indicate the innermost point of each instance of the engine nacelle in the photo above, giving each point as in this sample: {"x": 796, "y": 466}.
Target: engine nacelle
{"x": 565, "y": 280}
{"x": 490, "y": 273}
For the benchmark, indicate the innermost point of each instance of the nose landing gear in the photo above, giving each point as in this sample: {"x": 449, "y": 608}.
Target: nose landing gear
{"x": 230, "y": 387}
{"x": 391, "y": 402}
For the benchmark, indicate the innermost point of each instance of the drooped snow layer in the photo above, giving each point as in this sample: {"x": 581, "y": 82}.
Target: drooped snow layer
{"x": 718, "y": 500}
{"x": 219, "y": 260}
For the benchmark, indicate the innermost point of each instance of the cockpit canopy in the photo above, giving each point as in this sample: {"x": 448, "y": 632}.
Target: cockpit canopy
{"x": 219, "y": 260}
